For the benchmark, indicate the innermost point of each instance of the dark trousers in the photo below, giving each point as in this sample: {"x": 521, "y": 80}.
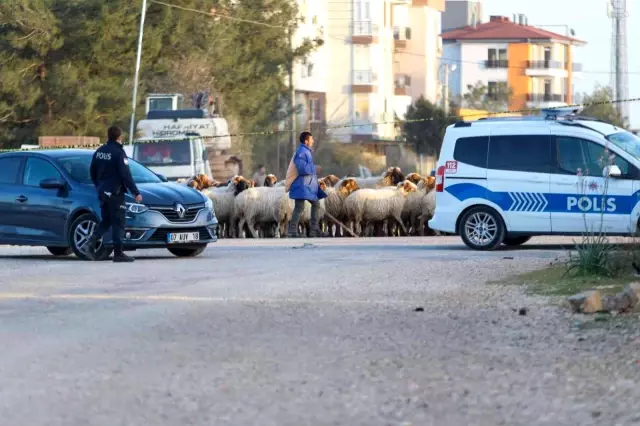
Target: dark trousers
{"x": 299, "y": 209}
{"x": 112, "y": 210}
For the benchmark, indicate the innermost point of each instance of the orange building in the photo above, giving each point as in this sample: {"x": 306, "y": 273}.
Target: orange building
{"x": 537, "y": 65}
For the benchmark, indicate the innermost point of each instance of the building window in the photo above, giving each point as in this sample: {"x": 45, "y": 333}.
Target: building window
{"x": 310, "y": 70}
{"x": 497, "y": 58}
{"x": 361, "y": 106}
{"x": 496, "y": 90}
{"x": 314, "y": 20}
{"x": 315, "y": 110}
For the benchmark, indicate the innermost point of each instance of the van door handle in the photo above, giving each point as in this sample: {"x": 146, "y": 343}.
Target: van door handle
{"x": 22, "y": 199}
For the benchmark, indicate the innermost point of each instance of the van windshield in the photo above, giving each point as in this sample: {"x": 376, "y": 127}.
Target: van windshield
{"x": 626, "y": 141}
{"x": 168, "y": 153}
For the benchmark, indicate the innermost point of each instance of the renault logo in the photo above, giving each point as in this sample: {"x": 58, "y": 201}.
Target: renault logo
{"x": 180, "y": 210}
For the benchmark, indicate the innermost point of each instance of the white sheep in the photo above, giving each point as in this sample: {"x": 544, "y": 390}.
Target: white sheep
{"x": 263, "y": 206}
{"x": 377, "y": 205}
{"x": 223, "y": 199}
{"x": 428, "y": 209}
{"x": 334, "y": 203}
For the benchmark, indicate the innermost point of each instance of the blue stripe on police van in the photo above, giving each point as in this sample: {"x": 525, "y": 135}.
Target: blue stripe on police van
{"x": 548, "y": 203}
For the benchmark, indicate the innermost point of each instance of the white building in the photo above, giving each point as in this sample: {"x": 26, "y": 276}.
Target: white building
{"x": 383, "y": 54}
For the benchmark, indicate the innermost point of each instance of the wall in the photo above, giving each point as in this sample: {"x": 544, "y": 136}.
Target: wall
{"x": 473, "y": 68}
{"x": 458, "y": 13}
{"x": 518, "y": 55}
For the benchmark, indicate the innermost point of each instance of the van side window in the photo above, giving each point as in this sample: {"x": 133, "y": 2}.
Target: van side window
{"x": 589, "y": 157}
{"x": 521, "y": 153}
{"x": 472, "y": 151}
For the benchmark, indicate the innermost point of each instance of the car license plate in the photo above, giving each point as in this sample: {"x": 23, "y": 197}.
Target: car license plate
{"x": 183, "y": 237}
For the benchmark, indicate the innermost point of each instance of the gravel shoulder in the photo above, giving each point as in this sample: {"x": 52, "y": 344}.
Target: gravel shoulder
{"x": 236, "y": 337}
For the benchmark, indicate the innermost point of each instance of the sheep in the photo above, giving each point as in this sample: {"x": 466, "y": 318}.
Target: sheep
{"x": 200, "y": 182}
{"x": 330, "y": 180}
{"x": 270, "y": 180}
{"x": 428, "y": 209}
{"x": 334, "y": 203}
{"x": 376, "y": 205}
{"x": 414, "y": 178}
{"x": 263, "y": 205}
{"x": 223, "y": 199}
{"x": 392, "y": 177}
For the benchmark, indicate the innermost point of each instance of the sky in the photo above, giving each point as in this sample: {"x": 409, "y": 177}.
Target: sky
{"x": 589, "y": 20}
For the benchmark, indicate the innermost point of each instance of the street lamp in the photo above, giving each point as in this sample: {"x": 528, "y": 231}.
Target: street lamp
{"x": 135, "y": 78}
{"x": 445, "y": 87}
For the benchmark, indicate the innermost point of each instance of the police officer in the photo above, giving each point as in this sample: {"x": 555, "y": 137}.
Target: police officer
{"x": 111, "y": 176}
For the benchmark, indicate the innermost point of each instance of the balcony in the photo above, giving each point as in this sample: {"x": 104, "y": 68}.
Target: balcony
{"x": 364, "y": 32}
{"x": 364, "y": 81}
{"x": 496, "y": 63}
{"x": 546, "y": 69}
{"x": 546, "y": 100}
{"x": 402, "y": 83}
{"x": 400, "y": 36}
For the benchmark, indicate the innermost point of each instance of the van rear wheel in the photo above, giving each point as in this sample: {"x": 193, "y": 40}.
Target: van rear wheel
{"x": 516, "y": 241}
{"x": 482, "y": 228}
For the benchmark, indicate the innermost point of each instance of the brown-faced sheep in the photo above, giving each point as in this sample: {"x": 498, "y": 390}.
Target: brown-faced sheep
{"x": 334, "y": 203}
{"x": 263, "y": 206}
{"x": 270, "y": 181}
{"x": 223, "y": 199}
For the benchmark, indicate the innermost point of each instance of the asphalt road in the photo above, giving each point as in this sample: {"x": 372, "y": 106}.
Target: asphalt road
{"x": 270, "y": 332}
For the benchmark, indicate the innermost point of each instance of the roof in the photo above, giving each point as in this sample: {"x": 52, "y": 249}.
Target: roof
{"x": 502, "y": 28}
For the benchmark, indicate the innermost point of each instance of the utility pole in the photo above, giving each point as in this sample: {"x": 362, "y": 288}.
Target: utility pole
{"x": 135, "y": 78}
{"x": 446, "y": 90}
{"x": 292, "y": 95}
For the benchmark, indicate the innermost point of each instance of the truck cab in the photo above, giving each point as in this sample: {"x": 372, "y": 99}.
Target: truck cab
{"x": 176, "y": 142}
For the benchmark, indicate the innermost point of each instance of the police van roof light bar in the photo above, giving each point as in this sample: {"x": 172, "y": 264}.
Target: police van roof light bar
{"x": 560, "y": 112}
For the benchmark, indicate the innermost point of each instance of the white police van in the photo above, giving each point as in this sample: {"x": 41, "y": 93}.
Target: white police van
{"x": 504, "y": 180}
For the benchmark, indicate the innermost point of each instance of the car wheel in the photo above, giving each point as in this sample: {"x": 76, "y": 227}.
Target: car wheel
{"x": 60, "y": 251}
{"x": 79, "y": 233}
{"x": 516, "y": 241}
{"x": 482, "y": 228}
{"x": 187, "y": 252}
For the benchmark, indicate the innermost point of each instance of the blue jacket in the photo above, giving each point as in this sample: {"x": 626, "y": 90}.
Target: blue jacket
{"x": 305, "y": 187}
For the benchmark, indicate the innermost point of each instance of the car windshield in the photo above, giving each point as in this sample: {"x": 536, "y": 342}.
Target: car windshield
{"x": 626, "y": 141}
{"x": 78, "y": 167}
{"x": 169, "y": 153}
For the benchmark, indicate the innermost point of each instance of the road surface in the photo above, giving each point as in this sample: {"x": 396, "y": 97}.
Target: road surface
{"x": 344, "y": 332}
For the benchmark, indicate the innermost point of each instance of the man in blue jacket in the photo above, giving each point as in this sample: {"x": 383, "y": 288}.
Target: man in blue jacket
{"x": 305, "y": 187}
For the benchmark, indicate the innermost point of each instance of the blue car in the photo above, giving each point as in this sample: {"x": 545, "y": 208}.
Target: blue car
{"x": 47, "y": 199}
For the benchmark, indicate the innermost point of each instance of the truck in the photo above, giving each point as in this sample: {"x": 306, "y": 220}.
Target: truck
{"x": 179, "y": 143}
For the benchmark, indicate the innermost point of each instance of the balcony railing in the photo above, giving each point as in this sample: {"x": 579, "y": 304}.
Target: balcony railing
{"x": 546, "y": 97}
{"x": 576, "y": 67}
{"x": 364, "y": 77}
{"x": 542, "y": 65}
{"x": 364, "y": 28}
{"x": 496, "y": 63}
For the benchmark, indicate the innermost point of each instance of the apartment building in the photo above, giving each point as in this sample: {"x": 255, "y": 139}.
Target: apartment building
{"x": 461, "y": 13}
{"x": 310, "y": 76}
{"x": 537, "y": 65}
{"x": 383, "y": 54}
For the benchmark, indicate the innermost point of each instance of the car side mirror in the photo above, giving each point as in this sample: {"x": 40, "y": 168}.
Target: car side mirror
{"x": 52, "y": 183}
{"x": 162, "y": 178}
{"x": 612, "y": 171}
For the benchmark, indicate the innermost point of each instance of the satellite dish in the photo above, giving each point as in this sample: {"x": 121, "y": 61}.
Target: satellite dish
{"x": 573, "y": 32}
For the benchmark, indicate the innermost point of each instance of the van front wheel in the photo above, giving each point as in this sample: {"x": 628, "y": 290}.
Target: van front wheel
{"x": 482, "y": 228}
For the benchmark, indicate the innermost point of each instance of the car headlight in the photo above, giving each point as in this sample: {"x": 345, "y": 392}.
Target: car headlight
{"x": 136, "y": 208}
{"x": 208, "y": 204}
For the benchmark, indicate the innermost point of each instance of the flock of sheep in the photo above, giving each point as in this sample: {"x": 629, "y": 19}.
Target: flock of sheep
{"x": 391, "y": 205}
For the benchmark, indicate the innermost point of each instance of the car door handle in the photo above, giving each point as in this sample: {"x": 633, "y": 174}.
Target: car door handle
{"x": 22, "y": 199}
